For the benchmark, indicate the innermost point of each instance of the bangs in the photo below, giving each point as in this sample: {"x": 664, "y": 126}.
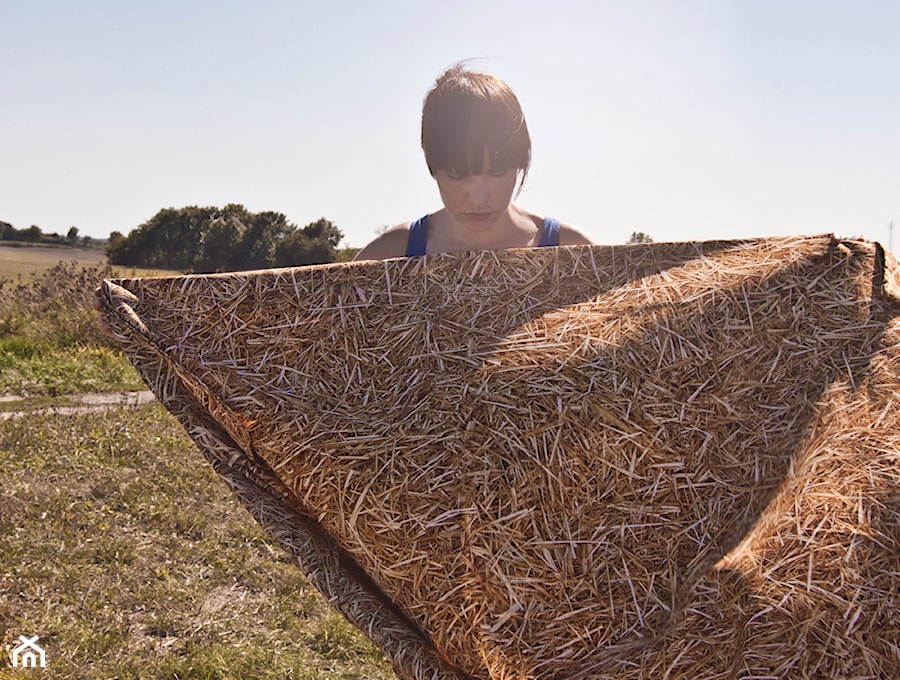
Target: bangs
{"x": 458, "y": 128}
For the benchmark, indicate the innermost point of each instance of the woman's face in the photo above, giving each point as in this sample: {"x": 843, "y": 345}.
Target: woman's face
{"x": 477, "y": 201}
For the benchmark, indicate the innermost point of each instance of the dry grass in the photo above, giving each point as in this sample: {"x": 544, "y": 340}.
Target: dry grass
{"x": 50, "y": 343}
{"x": 660, "y": 460}
{"x": 25, "y": 263}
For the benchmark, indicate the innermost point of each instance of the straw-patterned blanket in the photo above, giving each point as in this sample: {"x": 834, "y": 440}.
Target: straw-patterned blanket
{"x": 660, "y": 460}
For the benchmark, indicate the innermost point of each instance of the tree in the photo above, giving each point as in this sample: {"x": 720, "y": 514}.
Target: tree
{"x": 72, "y": 236}
{"x": 346, "y": 254}
{"x": 169, "y": 240}
{"x": 218, "y": 243}
{"x": 639, "y": 237}
{"x": 222, "y": 238}
{"x": 226, "y": 239}
{"x": 260, "y": 241}
{"x": 323, "y": 230}
{"x": 316, "y": 243}
{"x": 114, "y": 245}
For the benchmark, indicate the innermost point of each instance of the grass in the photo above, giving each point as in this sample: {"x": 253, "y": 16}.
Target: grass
{"x": 50, "y": 343}
{"x": 124, "y": 552}
{"x": 28, "y": 370}
{"x": 27, "y": 262}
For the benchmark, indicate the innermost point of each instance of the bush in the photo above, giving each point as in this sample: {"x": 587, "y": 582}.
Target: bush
{"x": 56, "y": 310}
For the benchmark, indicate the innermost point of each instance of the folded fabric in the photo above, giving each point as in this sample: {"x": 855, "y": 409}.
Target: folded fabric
{"x": 654, "y": 460}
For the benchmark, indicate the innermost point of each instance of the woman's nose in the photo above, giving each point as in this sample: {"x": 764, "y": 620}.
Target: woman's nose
{"x": 479, "y": 187}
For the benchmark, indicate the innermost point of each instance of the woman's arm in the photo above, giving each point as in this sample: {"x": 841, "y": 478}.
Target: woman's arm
{"x": 391, "y": 243}
{"x": 570, "y": 236}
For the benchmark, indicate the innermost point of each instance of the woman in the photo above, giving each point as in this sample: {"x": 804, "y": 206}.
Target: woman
{"x": 478, "y": 150}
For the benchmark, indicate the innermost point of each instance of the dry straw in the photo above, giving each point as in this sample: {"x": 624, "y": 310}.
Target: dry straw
{"x": 649, "y": 461}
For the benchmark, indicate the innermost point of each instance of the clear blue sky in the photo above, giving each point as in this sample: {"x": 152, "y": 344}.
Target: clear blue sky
{"x": 684, "y": 119}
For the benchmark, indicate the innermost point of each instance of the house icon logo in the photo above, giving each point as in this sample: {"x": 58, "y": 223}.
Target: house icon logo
{"x": 28, "y": 654}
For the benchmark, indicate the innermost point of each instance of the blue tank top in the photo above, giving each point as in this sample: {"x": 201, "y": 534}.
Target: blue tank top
{"x": 418, "y": 235}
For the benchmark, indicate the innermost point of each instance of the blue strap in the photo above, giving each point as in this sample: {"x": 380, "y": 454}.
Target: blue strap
{"x": 549, "y": 233}
{"x": 418, "y": 237}
{"x": 416, "y": 241}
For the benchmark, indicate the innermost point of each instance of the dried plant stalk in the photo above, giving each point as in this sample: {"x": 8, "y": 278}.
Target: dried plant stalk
{"x": 658, "y": 460}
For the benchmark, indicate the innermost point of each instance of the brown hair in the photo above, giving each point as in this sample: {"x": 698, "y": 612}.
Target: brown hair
{"x": 467, "y": 112}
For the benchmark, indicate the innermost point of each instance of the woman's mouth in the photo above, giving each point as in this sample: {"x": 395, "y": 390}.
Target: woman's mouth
{"x": 477, "y": 216}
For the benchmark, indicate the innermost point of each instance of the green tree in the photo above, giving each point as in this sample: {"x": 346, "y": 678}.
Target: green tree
{"x": 222, "y": 238}
{"x": 323, "y": 230}
{"x": 639, "y": 237}
{"x": 316, "y": 243}
{"x": 260, "y": 241}
{"x": 346, "y": 254}
{"x": 114, "y": 244}
{"x": 226, "y": 239}
{"x": 169, "y": 240}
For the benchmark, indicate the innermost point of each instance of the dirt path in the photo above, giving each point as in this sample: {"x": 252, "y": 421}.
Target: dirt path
{"x": 74, "y": 403}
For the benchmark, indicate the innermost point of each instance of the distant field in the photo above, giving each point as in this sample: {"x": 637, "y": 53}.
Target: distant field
{"x": 30, "y": 261}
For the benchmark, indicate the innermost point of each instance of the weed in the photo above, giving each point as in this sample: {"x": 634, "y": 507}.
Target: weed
{"x": 41, "y": 371}
{"x": 50, "y": 342}
{"x": 56, "y": 308}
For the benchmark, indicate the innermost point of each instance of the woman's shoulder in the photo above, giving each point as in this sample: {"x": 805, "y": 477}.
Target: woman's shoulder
{"x": 568, "y": 235}
{"x": 388, "y": 244}
{"x": 573, "y": 236}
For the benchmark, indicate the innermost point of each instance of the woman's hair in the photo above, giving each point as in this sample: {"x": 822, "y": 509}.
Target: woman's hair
{"x": 467, "y": 112}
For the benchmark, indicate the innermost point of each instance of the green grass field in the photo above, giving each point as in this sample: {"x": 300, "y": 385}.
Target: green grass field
{"x": 119, "y": 546}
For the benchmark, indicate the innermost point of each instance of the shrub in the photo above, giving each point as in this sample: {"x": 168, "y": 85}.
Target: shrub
{"x": 56, "y": 310}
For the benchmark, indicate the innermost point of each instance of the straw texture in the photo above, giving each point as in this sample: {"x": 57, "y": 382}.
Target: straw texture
{"x": 659, "y": 460}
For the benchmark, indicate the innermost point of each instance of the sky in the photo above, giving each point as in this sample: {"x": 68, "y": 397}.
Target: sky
{"x": 682, "y": 119}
